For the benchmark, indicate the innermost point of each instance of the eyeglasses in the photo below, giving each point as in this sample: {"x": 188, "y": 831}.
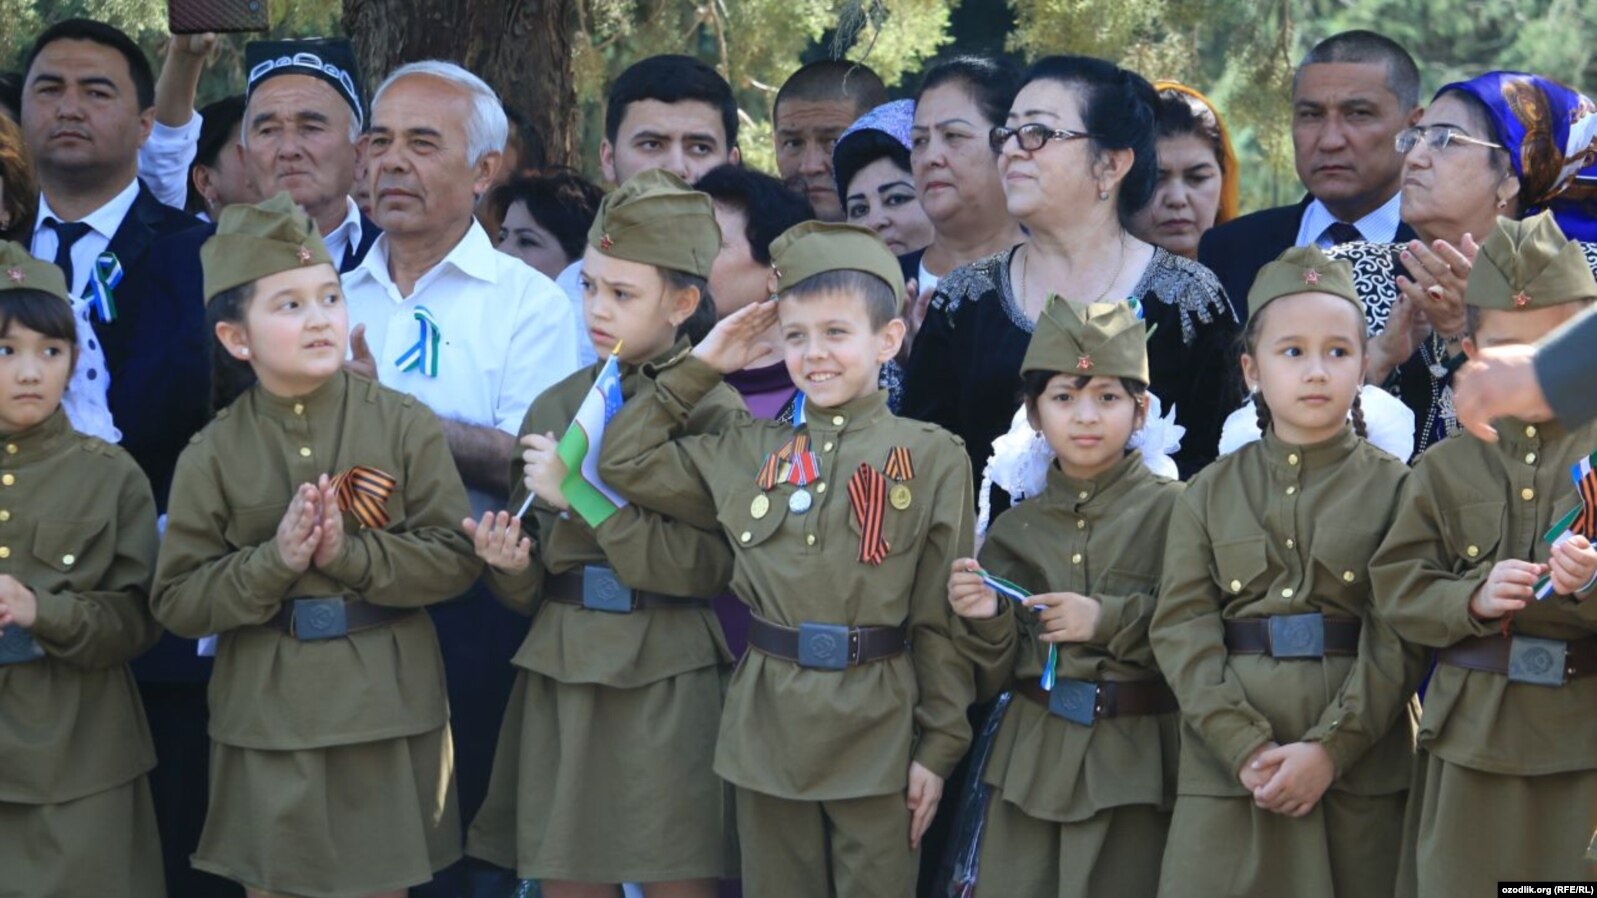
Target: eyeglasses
{"x": 1437, "y": 137}
{"x": 1031, "y": 136}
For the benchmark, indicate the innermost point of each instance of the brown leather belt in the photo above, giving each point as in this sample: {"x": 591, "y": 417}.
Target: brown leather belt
{"x": 1293, "y": 636}
{"x": 1525, "y": 659}
{"x": 1115, "y": 698}
{"x": 596, "y": 588}
{"x": 315, "y": 618}
{"x": 826, "y": 646}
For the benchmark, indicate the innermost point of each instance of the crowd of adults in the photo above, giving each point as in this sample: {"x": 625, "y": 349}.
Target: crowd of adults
{"x": 997, "y": 189}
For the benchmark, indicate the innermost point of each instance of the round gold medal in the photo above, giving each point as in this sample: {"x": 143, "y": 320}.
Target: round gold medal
{"x": 760, "y": 506}
{"x": 899, "y": 496}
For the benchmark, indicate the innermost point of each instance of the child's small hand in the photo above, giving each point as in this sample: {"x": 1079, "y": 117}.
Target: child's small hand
{"x": 498, "y": 541}
{"x": 300, "y": 531}
{"x": 734, "y": 341}
{"x": 1255, "y": 772}
{"x": 1066, "y": 616}
{"x": 1573, "y": 564}
{"x": 925, "y": 792}
{"x": 968, "y": 595}
{"x": 543, "y": 470}
{"x": 1509, "y": 585}
{"x": 19, "y": 607}
{"x": 1303, "y": 772}
{"x": 332, "y": 524}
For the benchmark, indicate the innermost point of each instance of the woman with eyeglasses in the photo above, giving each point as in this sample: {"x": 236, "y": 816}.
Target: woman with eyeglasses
{"x": 1504, "y": 144}
{"x": 1077, "y": 159}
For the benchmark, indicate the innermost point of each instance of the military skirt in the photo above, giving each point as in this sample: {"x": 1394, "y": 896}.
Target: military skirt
{"x": 337, "y": 822}
{"x": 105, "y": 845}
{"x": 598, "y": 784}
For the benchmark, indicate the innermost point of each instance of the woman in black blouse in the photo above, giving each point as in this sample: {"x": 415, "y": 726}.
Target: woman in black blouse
{"x": 1078, "y": 162}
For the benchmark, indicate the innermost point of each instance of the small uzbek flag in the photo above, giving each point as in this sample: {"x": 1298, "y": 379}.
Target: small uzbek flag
{"x": 1582, "y": 519}
{"x": 579, "y": 448}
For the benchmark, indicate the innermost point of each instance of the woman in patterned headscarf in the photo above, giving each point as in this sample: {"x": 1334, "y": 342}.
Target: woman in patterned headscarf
{"x": 1503, "y": 144}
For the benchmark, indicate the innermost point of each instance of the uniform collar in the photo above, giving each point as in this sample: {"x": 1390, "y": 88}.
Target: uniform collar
{"x": 328, "y": 395}
{"x": 851, "y": 415}
{"x": 39, "y": 441}
{"x": 1296, "y": 458}
{"x": 1106, "y": 488}
{"x": 1515, "y": 436}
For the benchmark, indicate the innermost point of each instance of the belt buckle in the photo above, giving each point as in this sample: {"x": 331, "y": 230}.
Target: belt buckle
{"x": 1297, "y": 635}
{"x": 1539, "y": 662}
{"x": 603, "y": 591}
{"x": 317, "y": 619}
{"x": 17, "y": 646}
{"x": 823, "y": 646}
{"x": 1074, "y": 700}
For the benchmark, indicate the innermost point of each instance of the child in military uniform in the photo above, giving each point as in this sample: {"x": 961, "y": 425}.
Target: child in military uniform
{"x": 623, "y": 667}
{"x": 1294, "y": 750}
{"x": 1505, "y": 784}
{"x": 1082, "y": 789}
{"x": 77, "y": 548}
{"x": 310, "y": 522}
{"x": 849, "y": 710}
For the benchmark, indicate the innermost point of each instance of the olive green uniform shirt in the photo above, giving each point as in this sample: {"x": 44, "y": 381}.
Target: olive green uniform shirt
{"x": 789, "y": 731}
{"x": 647, "y": 551}
{"x": 1276, "y": 529}
{"x": 1468, "y": 505}
{"x": 77, "y": 527}
{"x": 220, "y": 570}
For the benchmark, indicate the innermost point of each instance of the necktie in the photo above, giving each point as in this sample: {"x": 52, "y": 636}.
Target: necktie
{"x": 1341, "y": 232}
{"x": 67, "y": 233}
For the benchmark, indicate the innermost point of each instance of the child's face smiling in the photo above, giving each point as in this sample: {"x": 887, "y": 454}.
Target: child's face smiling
{"x": 630, "y": 302}
{"x": 1087, "y": 426}
{"x": 833, "y": 354}
{"x": 34, "y": 370}
{"x": 295, "y": 332}
{"x": 1308, "y": 361}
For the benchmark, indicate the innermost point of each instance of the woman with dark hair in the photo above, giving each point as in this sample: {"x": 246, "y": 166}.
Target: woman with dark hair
{"x": 1504, "y": 144}
{"x": 216, "y": 176}
{"x": 1198, "y": 185}
{"x": 19, "y": 187}
{"x": 1078, "y": 162}
{"x": 871, "y": 164}
{"x": 544, "y": 220}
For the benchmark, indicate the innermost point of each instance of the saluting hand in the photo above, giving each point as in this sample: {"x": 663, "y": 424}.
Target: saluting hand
{"x": 925, "y": 793}
{"x": 968, "y": 595}
{"x": 331, "y": 545}
{"x": 1304, "y": 771}
{"x": 1508, "y": 587}
{"x": 734, "y": 342}
{"x": 497, "y": 540}
{"x": 1065, "y": 616}
{"x": 18, "y": 605}
{"x": 300, "y": 531}
{"x": 1574, "y": 563}
{"x": 543, "y": 470}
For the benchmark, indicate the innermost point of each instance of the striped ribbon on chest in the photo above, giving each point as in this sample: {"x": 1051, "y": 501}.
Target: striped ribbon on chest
{"x": 867, "y": 496}
{"x": 900, "y": 465}
{"x": 363, "y": 492}
{"x": 423, "y": 354}
{"x": 103, "y": 278}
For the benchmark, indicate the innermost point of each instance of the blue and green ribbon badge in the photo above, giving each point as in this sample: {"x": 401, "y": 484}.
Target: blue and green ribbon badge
{"x": 103, "y": 278}
{"x": 1009, "y": 590}
{"x": 423, "y": 355}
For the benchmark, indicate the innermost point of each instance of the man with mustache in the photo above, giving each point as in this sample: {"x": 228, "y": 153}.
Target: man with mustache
{"x": 1350, "y": 96}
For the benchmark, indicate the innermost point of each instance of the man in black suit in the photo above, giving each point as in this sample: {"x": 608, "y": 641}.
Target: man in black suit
{"x": 303, "y": 118}
{"x": 87, "y": 105}
{"x": 1351, "y": 95}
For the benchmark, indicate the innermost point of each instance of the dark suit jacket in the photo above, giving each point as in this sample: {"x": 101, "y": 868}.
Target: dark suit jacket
{"x": 1236, "y": 250}
{"x": 369, "y": 232}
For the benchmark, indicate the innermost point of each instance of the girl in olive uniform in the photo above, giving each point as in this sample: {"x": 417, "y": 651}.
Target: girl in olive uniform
{"x": 603, "y": 772}
{"x": 1082, "y": 791}
{"x": 1295, "y": 753}
{"x": 77, "y": 547}
{"x": 309, "y": 524}
{"x": 1480, "y": 566}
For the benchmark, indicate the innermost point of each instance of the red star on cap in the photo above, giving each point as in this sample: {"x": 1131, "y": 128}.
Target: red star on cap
{"x": 304, "y": 255}
{"x": 1311, "y": 276}
{"x": 605, "y": 242}
{"x": 1084, "y": 363}
{"x": 15, "y": 274}
{"x": 1521, "y": 299}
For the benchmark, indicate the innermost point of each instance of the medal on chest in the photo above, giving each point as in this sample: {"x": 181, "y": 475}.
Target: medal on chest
{"x": 793, "y": 463}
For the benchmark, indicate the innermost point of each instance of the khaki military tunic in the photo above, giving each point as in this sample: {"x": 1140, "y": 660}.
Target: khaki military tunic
{"x": 790, "y": 732}
{"x": 77, "y": 528}
{"x": 600, "y": 692}
{"x": 344, "y": 741}
{"x": 1078, "y": 810}
{"x": 1506, "y": 784}
{"x": 1278, "y": 529}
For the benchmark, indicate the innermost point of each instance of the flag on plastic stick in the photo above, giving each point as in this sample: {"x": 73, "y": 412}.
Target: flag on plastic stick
{"x": 1009, "y": 590}
{"x": 579, "y": 448}
{"x": 1581, "y": 520}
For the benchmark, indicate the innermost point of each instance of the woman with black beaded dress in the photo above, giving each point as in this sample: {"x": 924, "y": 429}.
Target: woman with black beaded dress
{"x": 1077, "y": 159}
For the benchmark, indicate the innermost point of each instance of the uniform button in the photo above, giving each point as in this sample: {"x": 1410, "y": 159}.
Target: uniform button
{"x": 1291, "y": 544}
{"x": 1347, "y": 576}
{"x": 829, "y": 446}
{"x": 1291, "y": 491}
{"x": 837, "y": 420}
{"x": 5, "y": 516}
{"x": 5, "y": 551}
{"x": 11, "y": 448}
{"x": 1236, "y": 585}
{"x": 809, "y": 539}
{"x": 1530, "y": 458}
{"x": 1473, "y": 551}
{"x": 1292, "y": 459}
{"x": 1083, "y": 495}
{"x": 1080, "y": 524}
{"x": 746, "y": 536}
{"x": 8, "y": 480}
{"x": 1286, "y": 593}
{"x": 1530, "y": 431}
{"x": 820, "y": 487}
{"x": 1076, "y": 558}
{"x": 305, "y": 451}
{"x": 299, "y": 408}
{"x": 1527, "y": 494}
{"x": 68, "y": 559}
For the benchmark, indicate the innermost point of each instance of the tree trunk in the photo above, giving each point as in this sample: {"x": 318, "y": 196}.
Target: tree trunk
{"x": 520, "y": 47}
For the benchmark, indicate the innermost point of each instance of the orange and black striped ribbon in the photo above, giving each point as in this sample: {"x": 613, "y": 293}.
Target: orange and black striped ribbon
{"x": 899, "y": 464}
{"x": 1585, "y": 523}
{"x": 772, "y": 471}
{"x": 867, "y": 495}
{"x": 363, "y": 492}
